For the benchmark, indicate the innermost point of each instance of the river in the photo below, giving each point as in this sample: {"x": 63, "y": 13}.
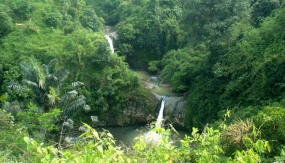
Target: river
{"x": 126, "y": 135}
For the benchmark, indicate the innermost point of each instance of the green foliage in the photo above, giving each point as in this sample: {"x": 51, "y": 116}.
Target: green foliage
{"x": 94, "y": 147}
{"x": 100, "y": 147}
{"x": 106, "y": 9}
{"x": 219, "y": 54}
{"x": 53, "y": 19}
{"x": 148, "y": 27}
{"x": 154, "y": 66}
{"x": 262, "y": 9}
{"x": 89, "y": 19}
{"x": 270, "y": 120}
{"x": 6, "y": 21}
{"x": 21, "y": 8}
{"x": 182, "y": 66}
{"x": 11, "y": 135}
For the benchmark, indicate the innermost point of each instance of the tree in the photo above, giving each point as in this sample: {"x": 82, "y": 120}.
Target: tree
{"x": 45, "y": 83}
{"x": 90, "y": 20}
{"x": 6, "y": 21}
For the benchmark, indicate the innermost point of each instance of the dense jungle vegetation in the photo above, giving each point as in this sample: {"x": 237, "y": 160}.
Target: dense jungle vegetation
{"x": 223, "y": 56}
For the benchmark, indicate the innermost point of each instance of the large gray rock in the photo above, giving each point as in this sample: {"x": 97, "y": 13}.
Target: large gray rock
{"x": 135, "y": 111}
{"x": 174, "y": 111}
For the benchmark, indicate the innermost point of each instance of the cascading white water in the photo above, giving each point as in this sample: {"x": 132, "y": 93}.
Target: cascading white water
{"x": 151, "y": 136}
{"x": 110, "y": 41}
{"x": 160, "y": 115}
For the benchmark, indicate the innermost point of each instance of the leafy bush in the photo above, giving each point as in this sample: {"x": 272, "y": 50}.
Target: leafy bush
{"x": 53, "y": 19}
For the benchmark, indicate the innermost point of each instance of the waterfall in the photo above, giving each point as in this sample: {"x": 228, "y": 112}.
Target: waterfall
{"x": 151, "y": 136}
{"x": 160, "y": 115}
{"x": 110, "y": 41}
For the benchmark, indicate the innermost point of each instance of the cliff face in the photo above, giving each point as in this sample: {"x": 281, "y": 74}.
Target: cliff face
{"x": 174, "y": 112}
{"x": 138, "y": 110}
{"x": 141, "y": 109}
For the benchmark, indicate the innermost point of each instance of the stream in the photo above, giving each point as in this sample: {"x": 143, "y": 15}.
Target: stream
{"x": 154, "y": 80}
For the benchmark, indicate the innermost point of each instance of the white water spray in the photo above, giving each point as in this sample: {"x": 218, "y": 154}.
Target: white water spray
{"x": 110, "y": 41}
{"x": 160, "y": 115}
{"x": 151, "y": 136}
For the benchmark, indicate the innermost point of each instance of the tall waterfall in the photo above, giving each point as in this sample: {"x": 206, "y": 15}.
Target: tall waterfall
{"x": 110, "y": 41}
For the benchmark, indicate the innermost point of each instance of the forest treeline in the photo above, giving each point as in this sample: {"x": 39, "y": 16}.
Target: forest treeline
{"x": 224, "y": 56}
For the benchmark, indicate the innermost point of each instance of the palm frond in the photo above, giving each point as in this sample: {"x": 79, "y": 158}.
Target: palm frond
{"x": 68, "y": 123}
{"x": 68, "y": 97}
{"x": 61, "y": 74}
{"x": 94, "y": 118}
{"x": 72, "y": 94}
{"x": 50, "y": 68}
{"x": 38, "y": 72}
{"x": 72, "y": 106}
{"x": 86, "y": 108}
{"x": 77, "y": 84}
{"x": 27, "y": 71}
{"x": 52, "y": 64}
{"x": 52, "y": 81}
{"x": 13, "y": 85}
{"x": 46, "y": 69}
{"x": 30, "y": 84}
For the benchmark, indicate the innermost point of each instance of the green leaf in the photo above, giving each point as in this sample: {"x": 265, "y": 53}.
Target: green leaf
{"x": 100, "y": 148}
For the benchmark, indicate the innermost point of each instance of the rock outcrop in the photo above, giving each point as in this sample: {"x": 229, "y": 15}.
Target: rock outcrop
{"x": 135, "y": 111}
{"x": 174, "y": 111}
{"x": 141, "y": 109}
